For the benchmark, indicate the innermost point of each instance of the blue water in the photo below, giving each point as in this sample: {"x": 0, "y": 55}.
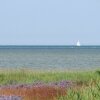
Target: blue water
{"x": 50, "y": 57}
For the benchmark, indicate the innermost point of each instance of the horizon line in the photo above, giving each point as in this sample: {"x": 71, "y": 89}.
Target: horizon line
{"x": 44, "y": 45}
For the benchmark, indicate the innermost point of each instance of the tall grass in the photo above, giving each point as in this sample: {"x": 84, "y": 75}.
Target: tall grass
{"x": 87, "y": 82}
{"x": 28, "y": 76}
{"x": 91, "y": 92}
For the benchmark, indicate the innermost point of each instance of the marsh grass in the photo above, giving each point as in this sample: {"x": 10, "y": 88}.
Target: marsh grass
{"x": 87, "y": 83}
{"x": 34, "y": 93}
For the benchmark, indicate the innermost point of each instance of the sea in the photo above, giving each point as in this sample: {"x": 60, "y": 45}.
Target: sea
{"x": 50, "y": 57}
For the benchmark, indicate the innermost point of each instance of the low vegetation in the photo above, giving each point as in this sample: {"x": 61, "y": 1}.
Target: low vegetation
{"x": 86, "y": 84}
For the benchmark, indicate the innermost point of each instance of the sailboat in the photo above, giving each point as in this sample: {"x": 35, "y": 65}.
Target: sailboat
{"x": 78, "y": 43}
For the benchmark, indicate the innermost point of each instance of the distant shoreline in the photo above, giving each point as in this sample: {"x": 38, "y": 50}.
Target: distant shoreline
{"x": 49, "y": 46}
{"x": 45, "y": 45}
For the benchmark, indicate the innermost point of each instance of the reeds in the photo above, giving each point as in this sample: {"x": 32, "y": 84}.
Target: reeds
{"x": 87, "y": 85}
{"x": 34, "y": 93}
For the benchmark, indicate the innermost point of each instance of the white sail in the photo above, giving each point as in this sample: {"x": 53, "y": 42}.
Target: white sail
{"x": 78, "y": 43}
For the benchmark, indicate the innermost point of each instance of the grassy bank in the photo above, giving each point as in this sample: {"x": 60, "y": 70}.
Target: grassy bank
{"x": 29, "y": 76}
{"x": 87, "y": 82}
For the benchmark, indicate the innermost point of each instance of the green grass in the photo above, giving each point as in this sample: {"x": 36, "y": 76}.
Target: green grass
{"x": 88, "y": 81}
{"x": 91, "y": 92}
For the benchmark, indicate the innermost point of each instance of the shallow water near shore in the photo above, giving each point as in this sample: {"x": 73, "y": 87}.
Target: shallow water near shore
{"x": 50, "y": 57}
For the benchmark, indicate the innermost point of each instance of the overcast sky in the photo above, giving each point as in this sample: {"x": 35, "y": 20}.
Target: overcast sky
{"x": 49, "y": 22}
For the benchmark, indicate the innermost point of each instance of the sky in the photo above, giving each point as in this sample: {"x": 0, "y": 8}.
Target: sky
{"x": 49, "y": 22}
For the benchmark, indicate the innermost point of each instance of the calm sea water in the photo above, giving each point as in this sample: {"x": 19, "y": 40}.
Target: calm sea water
{"x": 50, "y": 57}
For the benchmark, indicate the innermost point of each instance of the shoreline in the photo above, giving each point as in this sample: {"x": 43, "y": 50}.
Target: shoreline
{"x": 48, "y": 70}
